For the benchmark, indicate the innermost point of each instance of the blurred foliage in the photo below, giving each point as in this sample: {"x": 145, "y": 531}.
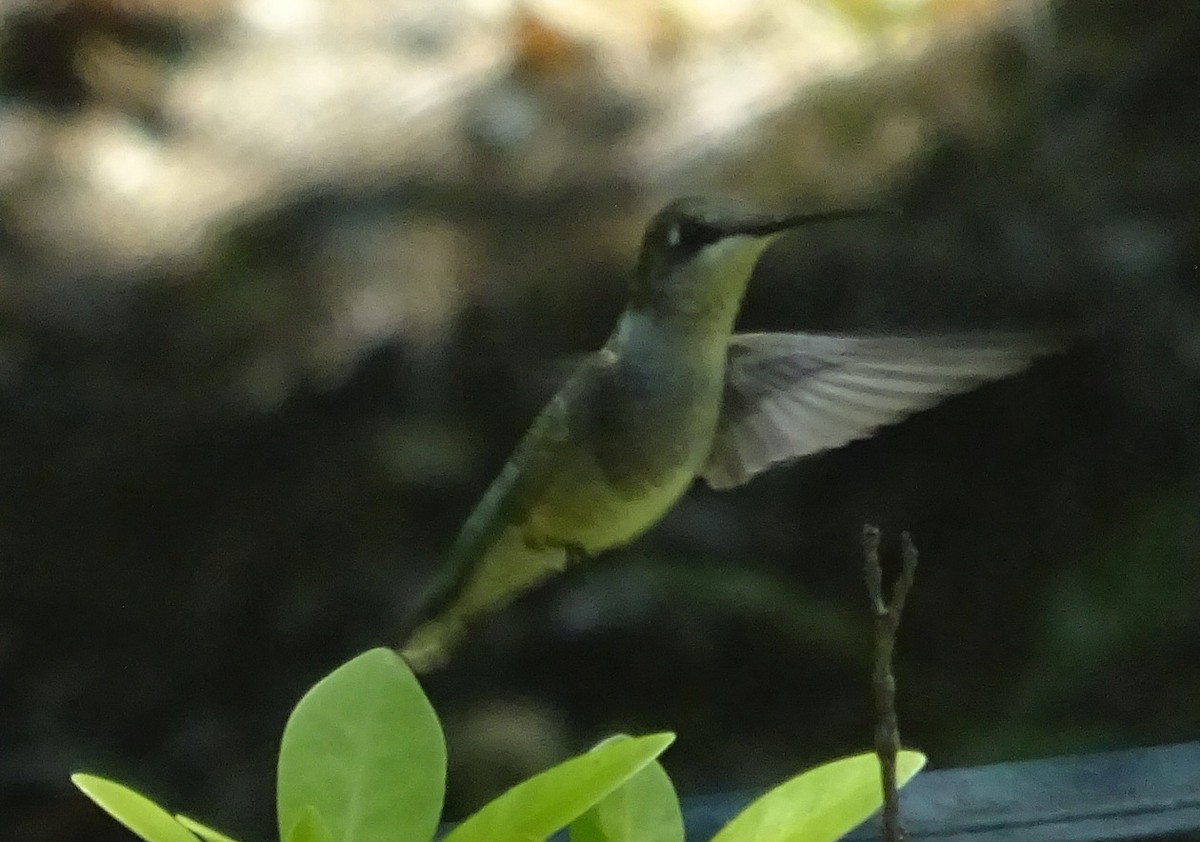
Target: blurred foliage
{"x": 278, "y": 294}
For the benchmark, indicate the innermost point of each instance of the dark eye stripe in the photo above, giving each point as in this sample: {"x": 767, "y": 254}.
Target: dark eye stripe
{"x": 690, "y": 236}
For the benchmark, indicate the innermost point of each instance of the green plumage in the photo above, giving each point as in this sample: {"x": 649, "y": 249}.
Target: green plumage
{"x": 672, "y": 396}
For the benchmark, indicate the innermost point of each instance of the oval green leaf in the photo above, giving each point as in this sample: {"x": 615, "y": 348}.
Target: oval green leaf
{"x": 643, "y": 809}
{"x": 365, "y": 750}
{"x": 547, "y": 802}
{"x": 310, "y": 827}
{"x": 132, "y": 809}
{"x": 202, "y": 830}
{"x": 820, "y": 805}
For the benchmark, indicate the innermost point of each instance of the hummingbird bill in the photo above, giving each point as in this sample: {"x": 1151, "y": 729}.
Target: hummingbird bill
{"x": 675, "y": 395}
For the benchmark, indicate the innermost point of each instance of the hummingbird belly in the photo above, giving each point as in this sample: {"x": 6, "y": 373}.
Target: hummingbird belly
{"x": 590, "y": 514}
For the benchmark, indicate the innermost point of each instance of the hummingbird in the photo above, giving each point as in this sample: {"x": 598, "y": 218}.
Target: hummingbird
{"x": 675, "y": 395}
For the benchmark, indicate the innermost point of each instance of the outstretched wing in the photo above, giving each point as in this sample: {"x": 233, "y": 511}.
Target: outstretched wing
{"x": 791, "y": 394}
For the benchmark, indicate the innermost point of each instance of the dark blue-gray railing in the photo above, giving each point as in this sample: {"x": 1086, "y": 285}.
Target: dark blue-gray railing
{"x": 1137, "y": 794}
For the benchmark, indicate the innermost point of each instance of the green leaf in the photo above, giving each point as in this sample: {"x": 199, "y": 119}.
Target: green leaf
{"x": 203, "y": 831}
{"x": 310, "y": 827}
{"x": 643, "y": 809}
{"x": 547, "y": 802}
{"x": 132, "y": 809}
{"x": 364, "y": 749}
{"x": 820, "y": 805}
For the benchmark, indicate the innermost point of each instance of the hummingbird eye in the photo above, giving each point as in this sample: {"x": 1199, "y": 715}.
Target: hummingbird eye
{"x": 688, "y": 236}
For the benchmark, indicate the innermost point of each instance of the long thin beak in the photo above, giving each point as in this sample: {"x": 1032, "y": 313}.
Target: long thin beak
{"x": 762, "y": 225}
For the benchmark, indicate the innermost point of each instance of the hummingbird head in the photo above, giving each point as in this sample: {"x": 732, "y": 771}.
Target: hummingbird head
{"x": 698, "y": 253}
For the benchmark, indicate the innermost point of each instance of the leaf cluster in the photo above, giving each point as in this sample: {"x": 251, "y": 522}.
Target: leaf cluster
{"x": 363, "y": 759}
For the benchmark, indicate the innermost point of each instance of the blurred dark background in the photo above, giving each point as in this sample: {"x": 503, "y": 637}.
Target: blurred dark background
{"x": 282, "y": 284}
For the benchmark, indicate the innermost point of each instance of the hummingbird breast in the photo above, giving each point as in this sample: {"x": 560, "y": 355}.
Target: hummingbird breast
{"x": 646, "y": 420}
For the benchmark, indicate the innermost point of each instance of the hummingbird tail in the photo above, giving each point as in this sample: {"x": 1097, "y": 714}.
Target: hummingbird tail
{"x": 429, "y": 647}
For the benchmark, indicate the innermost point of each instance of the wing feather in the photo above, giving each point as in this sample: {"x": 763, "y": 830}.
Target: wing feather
{"x": 492, "y": 561}
{"x": 788, "y": 395}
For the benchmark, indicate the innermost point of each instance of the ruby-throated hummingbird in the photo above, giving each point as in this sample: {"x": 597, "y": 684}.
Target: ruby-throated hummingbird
{"x": 673, "y": 395}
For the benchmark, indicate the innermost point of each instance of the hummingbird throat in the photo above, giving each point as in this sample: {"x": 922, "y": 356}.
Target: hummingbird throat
{"x": 705, "y": 292}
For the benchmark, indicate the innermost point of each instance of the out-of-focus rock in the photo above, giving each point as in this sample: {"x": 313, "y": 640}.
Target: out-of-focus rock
{"x": 197, "y": 131}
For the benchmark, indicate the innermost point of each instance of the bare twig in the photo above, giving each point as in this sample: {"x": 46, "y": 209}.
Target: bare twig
{"x": 883, "y": 680}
